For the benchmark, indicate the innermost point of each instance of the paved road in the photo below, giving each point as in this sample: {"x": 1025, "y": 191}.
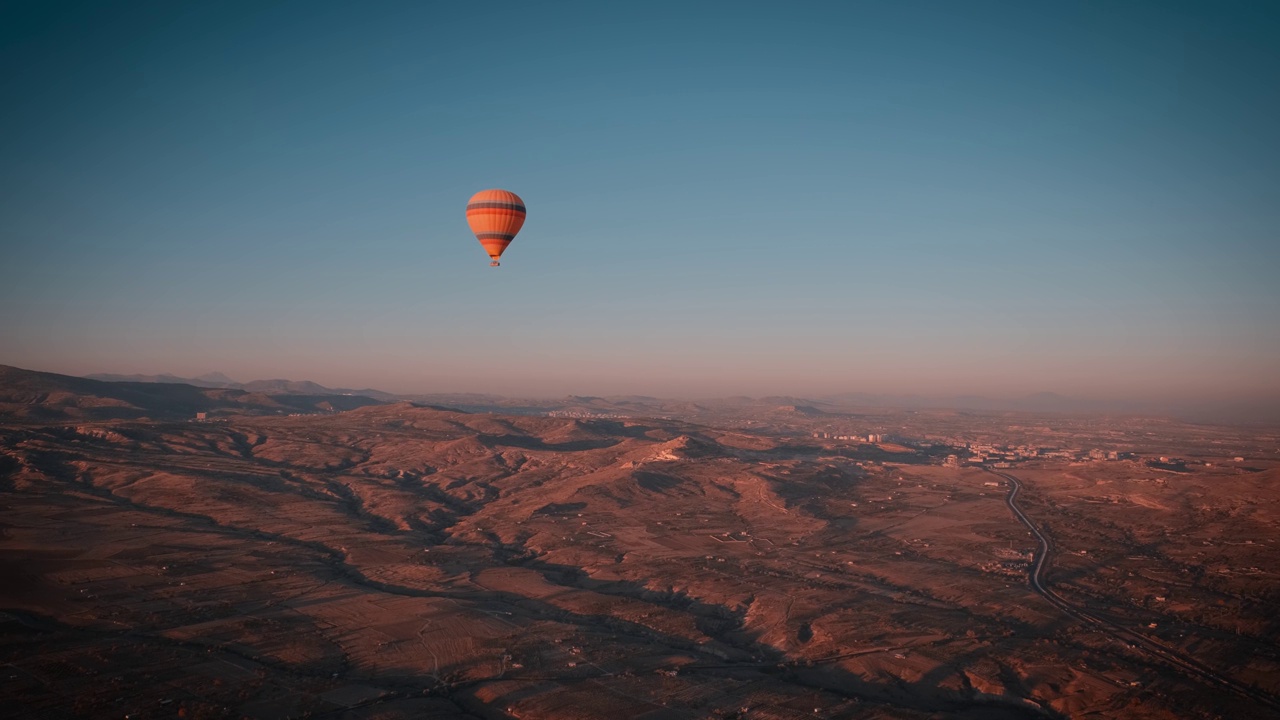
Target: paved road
{"x": 1035, "y": 578}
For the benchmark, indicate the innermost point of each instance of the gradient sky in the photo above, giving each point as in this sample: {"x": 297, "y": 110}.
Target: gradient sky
{"x": 754, "y": 198}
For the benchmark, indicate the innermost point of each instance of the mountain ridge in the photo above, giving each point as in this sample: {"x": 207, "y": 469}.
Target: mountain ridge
{"x": 44, "y": 396}
{"x": 1253, "y": 411}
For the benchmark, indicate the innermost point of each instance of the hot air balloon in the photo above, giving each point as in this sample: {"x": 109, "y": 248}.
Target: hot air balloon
{"x": 495, "y": 216}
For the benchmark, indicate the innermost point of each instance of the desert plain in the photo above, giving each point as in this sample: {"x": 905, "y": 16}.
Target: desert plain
{"x": 345, "y": 557}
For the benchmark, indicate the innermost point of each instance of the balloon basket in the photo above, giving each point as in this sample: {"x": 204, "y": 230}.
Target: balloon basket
{"x": 493, "y": 264}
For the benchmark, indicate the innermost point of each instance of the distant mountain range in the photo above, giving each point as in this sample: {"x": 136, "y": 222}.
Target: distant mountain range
{"x": 643, "y": 404}
{"x": 218, "y": 380}
{"x": 775, "y": 406}
{"x": 39, "y": 395}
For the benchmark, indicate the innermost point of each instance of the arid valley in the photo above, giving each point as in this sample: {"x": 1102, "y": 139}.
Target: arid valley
{"x": 343, "y": 556}
{"x": 408, "y": 360}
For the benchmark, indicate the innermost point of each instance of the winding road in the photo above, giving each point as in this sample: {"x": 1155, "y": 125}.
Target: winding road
{"x": 1035, "y": 578}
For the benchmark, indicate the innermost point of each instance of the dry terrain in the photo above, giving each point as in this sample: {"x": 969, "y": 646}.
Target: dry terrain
{"x": 398, "y": 560}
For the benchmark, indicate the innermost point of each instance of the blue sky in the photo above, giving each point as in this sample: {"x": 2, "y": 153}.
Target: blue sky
{"x": 752, "y": 198}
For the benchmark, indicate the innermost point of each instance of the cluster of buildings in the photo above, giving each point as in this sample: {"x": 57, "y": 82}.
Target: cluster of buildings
{"x": 586, "y": 415}
{"x": 982, "y": 453}
{"x": 1003, "y": 455}
{"x": 869, "y": 437}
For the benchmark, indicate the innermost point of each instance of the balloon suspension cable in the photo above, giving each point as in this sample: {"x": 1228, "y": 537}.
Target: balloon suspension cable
{"x": 493, "y": 263}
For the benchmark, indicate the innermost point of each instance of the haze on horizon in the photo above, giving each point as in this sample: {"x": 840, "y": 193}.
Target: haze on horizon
{"x": 985, "y": 198}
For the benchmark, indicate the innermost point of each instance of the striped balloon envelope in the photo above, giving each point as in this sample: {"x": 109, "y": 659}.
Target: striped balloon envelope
{"x": 495, "y": 216}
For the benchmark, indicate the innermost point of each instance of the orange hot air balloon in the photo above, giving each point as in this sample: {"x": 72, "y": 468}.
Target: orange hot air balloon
{"x": 495, "y": 216}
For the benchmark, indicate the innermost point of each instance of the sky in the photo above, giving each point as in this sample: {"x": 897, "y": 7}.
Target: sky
{"x": 723, "y": 198}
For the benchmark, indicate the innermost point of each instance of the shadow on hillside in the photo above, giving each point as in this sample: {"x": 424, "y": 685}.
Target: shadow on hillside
{"x": 737, "y": 652}
{"x": 743, "y": 654}
{"x": 529, "y": 442}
